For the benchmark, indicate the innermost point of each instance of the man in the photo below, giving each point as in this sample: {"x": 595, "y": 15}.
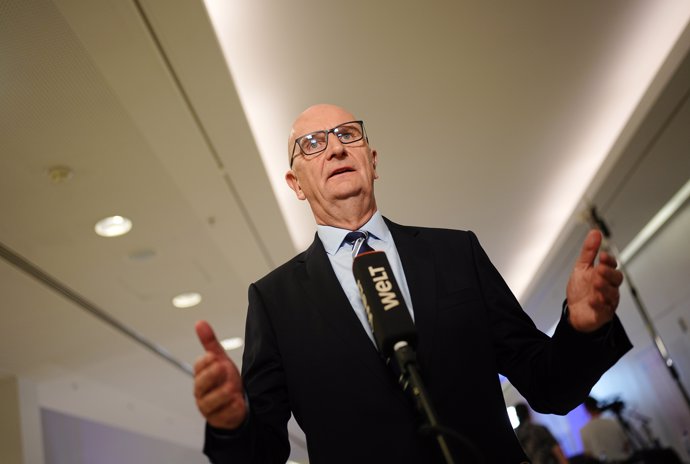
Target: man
{"x": 309, "y": 351}
{"x": 603, "y": 438}
{"x": 537, "y": 441}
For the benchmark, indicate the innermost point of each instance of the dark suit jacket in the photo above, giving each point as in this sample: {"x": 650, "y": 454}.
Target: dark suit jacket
{"x": 306, "y": 352}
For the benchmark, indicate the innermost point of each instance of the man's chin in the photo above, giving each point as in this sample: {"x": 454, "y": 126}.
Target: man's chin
{"x": 339, "y": 190}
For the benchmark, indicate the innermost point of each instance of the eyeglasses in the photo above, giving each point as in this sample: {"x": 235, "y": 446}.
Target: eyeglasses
{"x": 315, "y": 142}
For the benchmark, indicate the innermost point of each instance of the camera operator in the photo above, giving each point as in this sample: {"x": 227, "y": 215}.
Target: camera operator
{"x": 604, "y": 438}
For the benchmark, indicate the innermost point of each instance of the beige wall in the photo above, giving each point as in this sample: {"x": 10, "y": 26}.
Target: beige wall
{"x": 21, "y": 440}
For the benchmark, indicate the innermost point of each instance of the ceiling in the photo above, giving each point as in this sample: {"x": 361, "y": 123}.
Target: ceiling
{"x": 500, "y": 120}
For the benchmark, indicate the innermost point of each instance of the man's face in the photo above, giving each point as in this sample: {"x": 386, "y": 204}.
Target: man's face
{"x": 341, "y": 172}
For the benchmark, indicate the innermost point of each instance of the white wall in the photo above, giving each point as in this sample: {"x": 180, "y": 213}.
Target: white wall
{"x": 71, "y": 440}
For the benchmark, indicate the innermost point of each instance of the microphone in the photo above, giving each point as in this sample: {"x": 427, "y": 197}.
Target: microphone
{"x": 395, "y": 335}
{"x": 387, "y": 312}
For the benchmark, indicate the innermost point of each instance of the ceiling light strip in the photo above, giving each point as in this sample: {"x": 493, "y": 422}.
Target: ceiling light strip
{"x": 21, "y": 263}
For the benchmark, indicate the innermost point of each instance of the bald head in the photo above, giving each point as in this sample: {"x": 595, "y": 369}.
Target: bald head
{"x": 317, "y": 117}
{"x": 337, "y": 179}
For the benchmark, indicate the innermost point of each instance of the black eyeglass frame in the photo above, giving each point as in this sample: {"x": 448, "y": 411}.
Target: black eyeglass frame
{"x": 328, "y": 133}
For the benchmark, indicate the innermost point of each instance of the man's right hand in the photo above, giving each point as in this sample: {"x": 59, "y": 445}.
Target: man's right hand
{"x": 217, "y": 383}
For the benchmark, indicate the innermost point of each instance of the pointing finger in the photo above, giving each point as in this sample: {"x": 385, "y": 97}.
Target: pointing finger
{"x": 208, "y": 338}
{"x": 590, "y": 248}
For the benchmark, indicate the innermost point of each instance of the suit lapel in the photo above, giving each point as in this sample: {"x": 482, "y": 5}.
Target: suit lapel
{"x": 417, "y": 261}
{"x": 321, "y": 286}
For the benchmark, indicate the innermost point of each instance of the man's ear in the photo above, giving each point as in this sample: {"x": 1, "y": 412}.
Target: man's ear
{"x": 293, "y": 183}
{"x": 374, "y": 161}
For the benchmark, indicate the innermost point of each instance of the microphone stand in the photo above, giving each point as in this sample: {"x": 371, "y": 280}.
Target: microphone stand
{"x": 636, "y": 441}
{"x": 599, "y": 223}
{"x": 409, "y": 377}
{"x": 652, "y": 441}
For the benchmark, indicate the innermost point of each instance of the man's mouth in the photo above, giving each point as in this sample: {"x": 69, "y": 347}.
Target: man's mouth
{"x": 339, "y": 171}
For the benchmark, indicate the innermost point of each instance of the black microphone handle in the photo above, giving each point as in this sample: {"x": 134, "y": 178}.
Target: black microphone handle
{"x": 407, "y": 361}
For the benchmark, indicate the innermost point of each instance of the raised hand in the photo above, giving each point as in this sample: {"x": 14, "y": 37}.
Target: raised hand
{"x": 592, "y": 290}
{"x": 217, "y": 383}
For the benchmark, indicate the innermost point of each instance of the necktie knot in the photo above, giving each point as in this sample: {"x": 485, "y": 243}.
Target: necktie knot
{"x": 358, "y": 240}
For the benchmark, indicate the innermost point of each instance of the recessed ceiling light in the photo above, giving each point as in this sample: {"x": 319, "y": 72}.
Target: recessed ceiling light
{"x": 113, "y": 226}
{"x": 232, "y": 343}
{"x": 186, "y": 300}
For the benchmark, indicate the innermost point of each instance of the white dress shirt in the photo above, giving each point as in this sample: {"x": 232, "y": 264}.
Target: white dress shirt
{"x": 340, "y": 255}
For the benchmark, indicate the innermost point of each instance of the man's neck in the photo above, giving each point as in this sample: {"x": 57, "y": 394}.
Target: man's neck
{"x": 347, "y": 215}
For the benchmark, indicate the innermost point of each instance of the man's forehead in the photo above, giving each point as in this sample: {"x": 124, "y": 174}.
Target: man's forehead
{"x": 320, "y": 117}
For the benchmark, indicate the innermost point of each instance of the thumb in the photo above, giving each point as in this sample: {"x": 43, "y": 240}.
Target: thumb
{"x": 208, "y": 339}
{"x": 590, "y": 248}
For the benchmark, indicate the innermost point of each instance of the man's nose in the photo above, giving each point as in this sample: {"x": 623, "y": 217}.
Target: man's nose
{"x": 335, "y": 146}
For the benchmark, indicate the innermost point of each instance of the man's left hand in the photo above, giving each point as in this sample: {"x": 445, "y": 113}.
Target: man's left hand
{"x": 592, "y": 290}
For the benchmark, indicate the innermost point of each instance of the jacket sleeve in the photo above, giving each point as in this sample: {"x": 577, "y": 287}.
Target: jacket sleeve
{"x": 263, "y": 438}
{"x": 556, "y": 373}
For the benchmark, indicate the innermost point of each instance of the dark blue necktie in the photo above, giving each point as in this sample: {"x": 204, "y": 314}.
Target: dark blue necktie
{"x": 358, "y": 240}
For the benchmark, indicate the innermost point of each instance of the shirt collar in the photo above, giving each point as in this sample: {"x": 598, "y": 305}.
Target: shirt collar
{"x": 332, "y": 237}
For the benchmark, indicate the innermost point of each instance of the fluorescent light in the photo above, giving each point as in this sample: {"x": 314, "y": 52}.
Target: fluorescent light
{"x": 656, "y": 222}
{"x": 512, "y": 415}
{"x": 186, "y": 300}
{"x": 113, "y": 226}
{"x": 232, "y": 343}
